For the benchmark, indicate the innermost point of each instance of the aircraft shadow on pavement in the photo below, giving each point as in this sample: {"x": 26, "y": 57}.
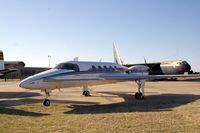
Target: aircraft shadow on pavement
{"x": 152, "y": 103}
{"x": 9, "y": 99}
{"x": 13, "y": 111}
{"x": 191, "y": 80}
{"x": 6, "y": 106}
{"x": 4, "y": 95}
{"x": 25, "y": 101}
{"x": 8, "y": 102}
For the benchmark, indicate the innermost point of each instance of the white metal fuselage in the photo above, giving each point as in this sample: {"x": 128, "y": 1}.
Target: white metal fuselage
{"x": 81, "y": 73}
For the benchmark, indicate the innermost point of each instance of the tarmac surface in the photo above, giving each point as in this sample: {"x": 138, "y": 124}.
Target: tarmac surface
{"x": 159, "y": 94}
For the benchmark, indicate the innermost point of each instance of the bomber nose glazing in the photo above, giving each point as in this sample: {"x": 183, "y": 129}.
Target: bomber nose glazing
{"x": 184, "y": 67}
{"x": 188, "y": 67}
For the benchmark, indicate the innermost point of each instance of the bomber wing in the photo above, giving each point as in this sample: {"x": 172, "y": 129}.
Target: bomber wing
{"x": 6, "y": 71}
{"x": 143, "y": 76}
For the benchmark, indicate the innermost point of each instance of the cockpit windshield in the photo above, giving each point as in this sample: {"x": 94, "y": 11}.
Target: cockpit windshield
{"x": 183, "y": 63}
{"x": 67, "y": 66}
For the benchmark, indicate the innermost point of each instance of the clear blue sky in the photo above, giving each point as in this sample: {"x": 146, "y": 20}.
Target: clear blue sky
{"x": 30, "y": 30}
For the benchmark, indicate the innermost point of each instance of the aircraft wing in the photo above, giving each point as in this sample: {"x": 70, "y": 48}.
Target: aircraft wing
{"x": 115, "y": 76}
{"x": 150, "y": 65}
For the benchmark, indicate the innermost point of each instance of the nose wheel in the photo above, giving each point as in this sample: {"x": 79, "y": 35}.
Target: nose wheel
{"x": 46, "y": 102}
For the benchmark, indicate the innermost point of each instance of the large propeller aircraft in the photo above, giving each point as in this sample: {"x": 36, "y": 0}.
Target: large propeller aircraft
{"x": 3, "y": 70}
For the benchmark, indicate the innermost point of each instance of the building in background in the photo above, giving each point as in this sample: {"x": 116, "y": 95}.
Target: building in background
{"x": 21, "y": 71}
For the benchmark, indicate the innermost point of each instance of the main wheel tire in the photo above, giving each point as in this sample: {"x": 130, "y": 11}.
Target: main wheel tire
{"x": 141, "y": 96}
{"x": 137, "y": 96}
{"x": 46, "y": 102}
{"x": 87, "y": 93}
{"x": 84, "y": 93}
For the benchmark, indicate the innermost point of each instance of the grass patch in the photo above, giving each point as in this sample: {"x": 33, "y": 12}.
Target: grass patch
{"x": 64, "y": 118}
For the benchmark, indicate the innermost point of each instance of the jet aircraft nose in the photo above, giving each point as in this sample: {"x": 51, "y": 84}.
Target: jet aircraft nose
{"x": 27, "y": 83}
{"x": 23, "y": 84}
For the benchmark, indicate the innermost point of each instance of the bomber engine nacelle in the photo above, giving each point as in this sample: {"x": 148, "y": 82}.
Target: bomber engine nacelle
{"x": 139, "y": 69}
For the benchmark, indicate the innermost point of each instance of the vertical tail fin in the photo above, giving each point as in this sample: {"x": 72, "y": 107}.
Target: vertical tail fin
{"x": 2, "y": 67}
{"x": 145, "y": 61}
{"x": 117, "y": 58}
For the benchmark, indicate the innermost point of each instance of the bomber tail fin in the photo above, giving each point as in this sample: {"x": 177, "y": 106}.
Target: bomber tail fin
{"x": 117, "y": 58}
{"x": 2, "y": 65}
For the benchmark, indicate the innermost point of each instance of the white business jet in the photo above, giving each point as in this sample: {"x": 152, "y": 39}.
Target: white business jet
{"x": 85, "y": 74}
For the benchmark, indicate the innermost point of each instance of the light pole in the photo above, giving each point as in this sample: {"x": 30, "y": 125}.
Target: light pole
{"x": 49, "y": 57}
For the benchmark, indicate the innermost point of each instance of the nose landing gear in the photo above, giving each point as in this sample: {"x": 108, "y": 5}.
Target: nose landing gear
{"x": 47, "y": 101}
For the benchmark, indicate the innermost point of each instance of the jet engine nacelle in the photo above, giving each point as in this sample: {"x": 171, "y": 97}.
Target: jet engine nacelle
{"x": 139, "y": 69}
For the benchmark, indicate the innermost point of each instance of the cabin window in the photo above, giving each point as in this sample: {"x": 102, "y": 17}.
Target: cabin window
{"x": 105, "y": 68}
{"x": 111, "y": 68}
{"x": 100, "y": 68}
{"x": 93, "y": 68}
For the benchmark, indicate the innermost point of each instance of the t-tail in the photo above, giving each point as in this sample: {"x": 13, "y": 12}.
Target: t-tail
{"x": 2, "y": 66}
{"x": 117, "y": 58}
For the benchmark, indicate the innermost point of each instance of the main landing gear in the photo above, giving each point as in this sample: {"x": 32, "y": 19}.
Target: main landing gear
{"x": 86, "y": 91}
{"x": 47, "y": 101}
{"x": 140, "y": 94}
